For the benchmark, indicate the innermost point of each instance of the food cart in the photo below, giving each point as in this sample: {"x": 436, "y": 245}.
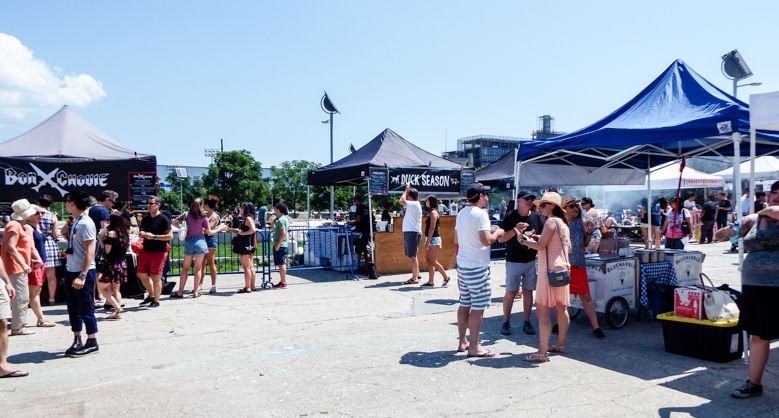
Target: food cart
{"x": 613, "y": 284}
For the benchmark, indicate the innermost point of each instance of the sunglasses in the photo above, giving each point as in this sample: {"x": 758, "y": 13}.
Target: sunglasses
{"x": 571, "y": 206}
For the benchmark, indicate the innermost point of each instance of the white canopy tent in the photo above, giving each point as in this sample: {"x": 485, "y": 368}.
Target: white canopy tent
{"x": 766, "y": 168}
{"x": 667, "y": 177}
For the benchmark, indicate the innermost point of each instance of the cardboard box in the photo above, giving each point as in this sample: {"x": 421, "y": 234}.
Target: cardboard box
{"x": 688, "y": 302}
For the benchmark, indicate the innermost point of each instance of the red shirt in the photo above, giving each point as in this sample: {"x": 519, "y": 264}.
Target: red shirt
{"x": 23, "y": 245}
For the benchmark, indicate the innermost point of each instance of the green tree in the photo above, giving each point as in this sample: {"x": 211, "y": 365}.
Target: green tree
{"x": 235, "y": 177}
{"x": 191, "y": 187}
{"x": 290, "y": 183}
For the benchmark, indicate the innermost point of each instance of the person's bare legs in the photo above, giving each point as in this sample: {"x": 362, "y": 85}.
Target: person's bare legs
{"x": 414, "y": 268}
{"x": 563, "y": 323}
{"x": 199, "y": 273}
{"x": 115, "y": 290}
{"x": 248, "y": 270}
{"x": 589, "y": 311}
{"x": 544, "y": 328}
{"x": 431, "y": 255}
{"x": 462, "y": 326}
{"x": 527, "y": 303}
{"x": 105, "y": 291}
{"x": 758, "y": 358}
{"x": 35, "y": 302}
{"x": 508, "y": 303}
{"x": 157, "y": 285}
{"x": 474, "y": 327}
{"x": 51, "y": 279}
{"x": 185, "y": 274}
{"x": 5, "y": 368}
{"x": 211, "y": 261}
{"x": 146, "y": 282}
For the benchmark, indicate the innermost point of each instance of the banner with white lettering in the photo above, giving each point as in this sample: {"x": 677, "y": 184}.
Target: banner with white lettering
{"x": 22, "y": 178}
{"x": 426, "y": 180}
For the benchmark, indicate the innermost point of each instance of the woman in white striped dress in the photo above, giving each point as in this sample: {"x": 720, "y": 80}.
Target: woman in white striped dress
{"x": 48, "y": 227}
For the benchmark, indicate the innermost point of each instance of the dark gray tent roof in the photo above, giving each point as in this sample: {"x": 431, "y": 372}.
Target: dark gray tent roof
{"x": 502, "y": 168}
{"x": 388, "y": 149}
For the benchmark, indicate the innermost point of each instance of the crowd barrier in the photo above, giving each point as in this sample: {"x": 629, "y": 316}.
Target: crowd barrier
{"x": 330, "y": 248}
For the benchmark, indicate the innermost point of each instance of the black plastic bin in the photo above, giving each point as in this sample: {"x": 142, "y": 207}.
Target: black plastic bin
{"x": 714, "y": 341}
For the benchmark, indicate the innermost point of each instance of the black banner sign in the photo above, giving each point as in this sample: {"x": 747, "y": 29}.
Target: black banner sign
{"x": 141, "y": 186}
{"x": 22, "y": 178}
{"x": 379, "y": 179}
{"x": 426, "y": 180}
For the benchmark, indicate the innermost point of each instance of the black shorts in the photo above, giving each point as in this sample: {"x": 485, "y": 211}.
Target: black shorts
{"x": 758, "y": 311}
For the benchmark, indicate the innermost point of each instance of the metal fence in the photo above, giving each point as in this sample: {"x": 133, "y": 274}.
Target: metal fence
{"x": 307, "y": 248}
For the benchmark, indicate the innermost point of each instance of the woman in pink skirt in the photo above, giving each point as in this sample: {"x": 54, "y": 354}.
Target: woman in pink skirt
{"x": 553, "y": 247}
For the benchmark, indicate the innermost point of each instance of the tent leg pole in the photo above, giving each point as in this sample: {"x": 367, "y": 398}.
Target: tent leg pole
{"x": 737, "y": 190}
{"x": 370, "y": 217}
{"x": 648, "y": 208}
{"x": 752, "y": 151}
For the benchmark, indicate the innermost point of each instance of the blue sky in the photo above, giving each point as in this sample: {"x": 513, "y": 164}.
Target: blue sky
{"x": 172, "y": 78}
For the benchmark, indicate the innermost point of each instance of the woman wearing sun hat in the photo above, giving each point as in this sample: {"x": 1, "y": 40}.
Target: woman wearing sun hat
{"x": 553, "y": 248}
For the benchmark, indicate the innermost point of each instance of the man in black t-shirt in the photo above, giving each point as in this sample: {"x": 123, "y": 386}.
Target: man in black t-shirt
{"x": 520, "y": 260}
{"x": 156, "y": 232}
{"x": 723, "y": 210}
{"x": 708, "y": 218}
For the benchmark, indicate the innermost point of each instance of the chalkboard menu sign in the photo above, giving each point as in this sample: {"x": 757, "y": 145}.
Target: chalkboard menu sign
{"x": 141, "y": 186}
{"x": 379, "y": 179}
{"x": 467, "y": 177}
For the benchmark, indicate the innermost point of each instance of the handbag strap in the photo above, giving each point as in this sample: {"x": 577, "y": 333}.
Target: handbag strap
{"x": 562, "y": 247}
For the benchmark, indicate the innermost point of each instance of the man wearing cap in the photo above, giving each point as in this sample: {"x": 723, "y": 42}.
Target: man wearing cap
{"x": 474, "y": 236}
{"x": 20, "y": 257}
{"x": 80, "y": 278}
{"x": 520, "y": 260}
{"x": 412, "y": 230}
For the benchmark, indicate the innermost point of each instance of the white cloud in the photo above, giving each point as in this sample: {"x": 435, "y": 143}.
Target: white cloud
{"x": 29, "y": 87}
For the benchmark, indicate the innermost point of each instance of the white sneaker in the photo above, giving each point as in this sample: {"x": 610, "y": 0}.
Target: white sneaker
{"x": 212, "y": 290}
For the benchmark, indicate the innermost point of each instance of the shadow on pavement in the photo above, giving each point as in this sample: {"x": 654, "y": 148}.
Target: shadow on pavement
{"x": 36, "y": 357}
{"x": 433, "y": 359}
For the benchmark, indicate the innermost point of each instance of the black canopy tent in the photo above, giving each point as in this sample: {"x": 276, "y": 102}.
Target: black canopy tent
{"x": 387, "y": 163}
{"x": 499, "y": 172}
{"x": 387, "y": 150}
{"x": 65, "y": 153}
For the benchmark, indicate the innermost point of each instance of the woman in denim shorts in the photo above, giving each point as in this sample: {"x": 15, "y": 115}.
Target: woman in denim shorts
{"x": 194, "y": 246}
{"x": 433, "y": 243}
{"x": 209, "y": 208}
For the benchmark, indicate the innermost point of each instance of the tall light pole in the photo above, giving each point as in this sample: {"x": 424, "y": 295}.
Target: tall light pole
{"x": 211, "y": 153}
{"x": 329, "y": 108}
{"x": 181, "y": 173}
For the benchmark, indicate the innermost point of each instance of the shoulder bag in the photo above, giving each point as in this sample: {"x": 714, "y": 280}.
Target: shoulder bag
{"x": 183, "y": 229}
{"x": 558, "y": 278}
{"x": 718, "y": 304}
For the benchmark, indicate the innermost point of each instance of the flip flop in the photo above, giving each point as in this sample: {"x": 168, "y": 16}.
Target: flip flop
{"x": 446, "y": 282}
{"x": 485, "y": 354}
{"x": 427, "y": 285}
{"x": 244, "y": 290}
{"x": 557, "y": 349}
{"x": 411, "y": 281}
{"x": 15, "y": 373}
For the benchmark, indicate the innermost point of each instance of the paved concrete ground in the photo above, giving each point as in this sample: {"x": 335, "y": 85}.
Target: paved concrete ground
{"x": 329, "y": 346}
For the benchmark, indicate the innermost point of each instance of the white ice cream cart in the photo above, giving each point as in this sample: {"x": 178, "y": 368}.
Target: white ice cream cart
{"x": 613, "y": 283}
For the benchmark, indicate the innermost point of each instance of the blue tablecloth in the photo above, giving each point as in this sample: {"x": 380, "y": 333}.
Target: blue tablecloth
{"x": 659, "y": 273}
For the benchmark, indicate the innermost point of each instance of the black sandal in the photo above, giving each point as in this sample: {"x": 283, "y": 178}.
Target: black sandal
{"x": 411, "y": 281}
{"x": 244, "y": 290}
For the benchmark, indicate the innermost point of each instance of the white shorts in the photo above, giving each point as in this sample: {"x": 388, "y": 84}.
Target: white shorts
{"x": 5, "y": 302}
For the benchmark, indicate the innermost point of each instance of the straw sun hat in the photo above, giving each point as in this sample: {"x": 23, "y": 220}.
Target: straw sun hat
{"x": 567, "y": 200}
{"x": 23, "y": 210}
{"x": 550, "y": 197}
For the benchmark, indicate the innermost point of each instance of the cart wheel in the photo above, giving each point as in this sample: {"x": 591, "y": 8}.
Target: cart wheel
{"x": 617, "y": 312}
{"x": 573, "y": 312}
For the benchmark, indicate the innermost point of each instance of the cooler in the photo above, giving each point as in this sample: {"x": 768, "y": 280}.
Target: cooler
{"x": 687, "y": 265}
{"x": 714, "y": 341}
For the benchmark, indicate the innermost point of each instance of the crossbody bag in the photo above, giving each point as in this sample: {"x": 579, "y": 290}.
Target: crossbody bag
{"x": 558, "y": 278}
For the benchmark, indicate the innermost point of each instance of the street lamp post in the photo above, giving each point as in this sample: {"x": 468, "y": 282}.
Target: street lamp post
{"x": 329, "y": 108}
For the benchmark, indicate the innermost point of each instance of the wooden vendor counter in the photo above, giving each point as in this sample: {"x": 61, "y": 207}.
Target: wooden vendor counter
{"x": 390, "y": 258}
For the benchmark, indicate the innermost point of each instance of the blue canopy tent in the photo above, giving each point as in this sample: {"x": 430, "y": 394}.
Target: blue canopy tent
{"x": 679, "y": 115}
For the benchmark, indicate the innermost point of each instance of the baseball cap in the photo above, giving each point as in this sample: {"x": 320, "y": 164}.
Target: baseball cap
{"x": 475, "y": 190}
{"x": 526, "y": 195}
